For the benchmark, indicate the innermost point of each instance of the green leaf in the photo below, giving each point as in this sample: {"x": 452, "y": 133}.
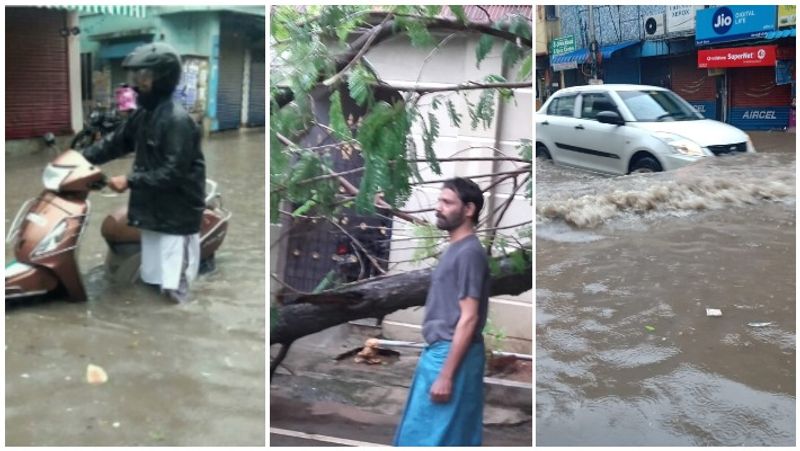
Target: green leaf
{"x": 436, "y": 102}
{"x": 360, "y": 84}
{"x": 418, "y": 33}
{"x": 428, "y": 237}
{"x": 337, "y": 121}
{"x": 525, "y": 149}
{"x": 650, "y": 328}
{"x": 303, "y": 209}
{"x": 455, "y": 117}
{"x": 510, "y": 55}
{"x": 518, "y": 262}
{"x": 458, "y": 11}
{"x": 505, "y": 93}
{"x": 494, "y": 267}
{"x": 484, "y": 47}
{"x": 526, "y": 67}
{"x": 429, "y": 135}
{"x": 383, "y": 136}
{"x": 483, "y": 112}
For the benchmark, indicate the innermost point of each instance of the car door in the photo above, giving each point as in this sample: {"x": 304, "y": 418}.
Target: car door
{"x": 598, "y": 146}
{"x": 557, "y": 126}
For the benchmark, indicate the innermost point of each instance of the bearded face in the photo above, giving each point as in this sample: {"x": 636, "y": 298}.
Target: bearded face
{"x": 450, "y": 211}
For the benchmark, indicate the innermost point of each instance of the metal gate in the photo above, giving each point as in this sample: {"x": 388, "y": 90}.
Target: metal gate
{"x": 255, "y": 115}
{"x": 231, "y": 77}
{"x": 695, "y": 86}
{"x": 757, "y": 102}
{"x": 37, "y": 73}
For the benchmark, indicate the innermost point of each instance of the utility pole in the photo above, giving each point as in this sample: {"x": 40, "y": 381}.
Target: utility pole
{"x": 592, "y": 44}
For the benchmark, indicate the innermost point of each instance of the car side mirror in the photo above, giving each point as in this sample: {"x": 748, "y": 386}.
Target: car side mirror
{"x": 610, "y": 117}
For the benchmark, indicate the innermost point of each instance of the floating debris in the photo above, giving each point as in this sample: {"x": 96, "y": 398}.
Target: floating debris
{"x": 96, "y": 375}
{"x": 713, "y": 312}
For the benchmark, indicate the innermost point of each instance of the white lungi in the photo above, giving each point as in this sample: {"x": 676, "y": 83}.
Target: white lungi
{"x": 170, "y": 261}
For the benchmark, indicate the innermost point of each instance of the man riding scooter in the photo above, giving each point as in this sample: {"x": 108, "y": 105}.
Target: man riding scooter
{"x": 167, "y": 181}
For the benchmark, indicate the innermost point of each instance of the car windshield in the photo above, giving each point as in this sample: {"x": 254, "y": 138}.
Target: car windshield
{"x": 658, "y": 106}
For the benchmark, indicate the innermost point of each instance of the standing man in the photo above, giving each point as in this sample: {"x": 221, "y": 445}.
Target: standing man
{"x": 445, "y": 402}
{"x": 168, "y": 179}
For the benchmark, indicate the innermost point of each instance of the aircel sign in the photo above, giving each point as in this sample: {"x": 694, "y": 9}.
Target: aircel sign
{"x": 734, "y": 23}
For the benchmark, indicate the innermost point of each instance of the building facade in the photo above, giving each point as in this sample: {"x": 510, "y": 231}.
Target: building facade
{"x": 223, "y": 55}
{"x": 668, "y": 45}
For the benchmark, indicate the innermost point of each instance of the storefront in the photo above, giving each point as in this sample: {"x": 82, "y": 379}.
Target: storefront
{"x": 754, "y": 92}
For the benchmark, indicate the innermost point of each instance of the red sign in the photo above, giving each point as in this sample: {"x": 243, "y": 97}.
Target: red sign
{"x": 759, "y": 55}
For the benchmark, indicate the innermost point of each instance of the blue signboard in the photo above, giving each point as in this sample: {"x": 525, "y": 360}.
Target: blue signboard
{"x": 734, "y": 23}
{"x": 760, "y": 118}
{"x": 707, "y": 108}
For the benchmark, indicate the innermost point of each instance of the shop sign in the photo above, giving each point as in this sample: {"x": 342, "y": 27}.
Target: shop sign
{"x": 760, "y": 118}
{"x": 707, "y": 108}
{"x": 783, "y": 72}
{"x": 565, "y": 66}
{"x": 680, "y": 18}
{"x": 760, "y": 55}
{"x": 562, "y": 45}
{"x": 787, "y": 15}
{"x": 734, "y": 23}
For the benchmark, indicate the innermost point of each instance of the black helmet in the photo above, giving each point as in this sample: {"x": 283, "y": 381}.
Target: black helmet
{"x": 162, "y": 59}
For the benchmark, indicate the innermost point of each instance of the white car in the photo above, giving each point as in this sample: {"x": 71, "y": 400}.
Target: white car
{"x": 620, "y": 129}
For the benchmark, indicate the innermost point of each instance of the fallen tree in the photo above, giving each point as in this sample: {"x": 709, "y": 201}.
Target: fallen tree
{"x": 307, "y": 314}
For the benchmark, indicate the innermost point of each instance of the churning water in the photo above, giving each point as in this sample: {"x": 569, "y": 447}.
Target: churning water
{"x": 626, "y": 268}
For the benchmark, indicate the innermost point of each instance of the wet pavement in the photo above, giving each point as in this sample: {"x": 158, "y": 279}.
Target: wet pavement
{"x": 312, "y": 393}
{"x": 179, "y": 375}
{"x": 626, "y": 268}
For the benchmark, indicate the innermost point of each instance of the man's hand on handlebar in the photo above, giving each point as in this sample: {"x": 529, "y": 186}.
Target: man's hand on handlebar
{"x": 118, "y": 183}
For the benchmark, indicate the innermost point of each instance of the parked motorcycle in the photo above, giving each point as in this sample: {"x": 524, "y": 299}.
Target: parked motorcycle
{"x": 47, "y": 231}
{"x": 104, "y": 121}
{"x": 99, "y": 124}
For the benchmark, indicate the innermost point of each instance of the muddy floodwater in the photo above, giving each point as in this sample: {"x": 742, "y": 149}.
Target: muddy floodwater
{"x": 626, "y": 353}
{"x": 183, "y": 375}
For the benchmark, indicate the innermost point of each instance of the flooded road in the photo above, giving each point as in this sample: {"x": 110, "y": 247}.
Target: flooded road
{"x": 178, "y": 375}
{"x": 626, "y": 268}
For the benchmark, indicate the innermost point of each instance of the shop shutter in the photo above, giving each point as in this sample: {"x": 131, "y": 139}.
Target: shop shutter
{"x": 256, "y": 110}
{"x": 756, "y": 86}
{"x": 231, "y": 77}
{"x": 37, "y": 73}
{"x": 694, "y": 85}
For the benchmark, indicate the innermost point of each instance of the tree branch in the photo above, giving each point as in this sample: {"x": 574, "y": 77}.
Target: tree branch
{"x": 470, "y": 85}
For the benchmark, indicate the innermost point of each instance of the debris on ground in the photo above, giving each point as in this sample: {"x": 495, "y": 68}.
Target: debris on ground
{"x": 370, "y": 353}
{"x": 713, "y": 312}
{"x": 96, "y": 375}
{"x": 760, "y": 324}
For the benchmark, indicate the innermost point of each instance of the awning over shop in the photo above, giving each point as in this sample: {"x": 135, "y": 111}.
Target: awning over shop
{"x": 112, "y": 10}
{"x": 580, "y": 55}
{"x": 788, "y": 33}
{"x": 119, "y": 49}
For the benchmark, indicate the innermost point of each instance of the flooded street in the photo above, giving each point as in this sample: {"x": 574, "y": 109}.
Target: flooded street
{"x": 626, "y": 268}
{"x": 178, "y": 375}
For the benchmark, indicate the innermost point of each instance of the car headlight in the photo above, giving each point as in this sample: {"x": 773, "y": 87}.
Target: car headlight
{"x": 682, "y": 145}
{"x": 52, "y": 239}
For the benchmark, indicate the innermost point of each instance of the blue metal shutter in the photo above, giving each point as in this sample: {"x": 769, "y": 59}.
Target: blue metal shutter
{"x": 255, "y": 112}
{"x": 231, "y": 77}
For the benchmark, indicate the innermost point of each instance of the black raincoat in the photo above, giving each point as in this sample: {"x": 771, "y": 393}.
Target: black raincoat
{"x": 168, "y": 179}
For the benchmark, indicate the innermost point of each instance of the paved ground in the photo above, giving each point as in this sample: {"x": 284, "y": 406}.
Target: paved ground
{"x": 364, "y": 403}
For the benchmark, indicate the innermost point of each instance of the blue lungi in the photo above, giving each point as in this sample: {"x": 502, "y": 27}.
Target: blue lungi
{"x": 459, "y": 422}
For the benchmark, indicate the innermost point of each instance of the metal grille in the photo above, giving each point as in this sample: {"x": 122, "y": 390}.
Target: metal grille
{"x": 728, "y": 148}
{"x": 312, "y": 244}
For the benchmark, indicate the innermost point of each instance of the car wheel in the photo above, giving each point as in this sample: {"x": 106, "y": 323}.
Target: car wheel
{"x": 645, "y": 164}
{"x": 542, "y": 152}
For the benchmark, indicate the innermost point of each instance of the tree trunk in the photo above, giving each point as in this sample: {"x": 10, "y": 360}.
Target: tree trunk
{"x": 378, "y": 297}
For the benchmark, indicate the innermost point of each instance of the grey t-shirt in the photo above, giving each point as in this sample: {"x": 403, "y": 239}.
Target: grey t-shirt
{"x": 463, "y": 271}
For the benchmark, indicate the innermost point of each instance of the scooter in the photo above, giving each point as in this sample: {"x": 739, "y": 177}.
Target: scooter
{"x": 47, "y": 231}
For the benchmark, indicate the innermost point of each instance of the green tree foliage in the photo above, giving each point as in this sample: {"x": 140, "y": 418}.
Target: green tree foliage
{"x": 307, "y": 44}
